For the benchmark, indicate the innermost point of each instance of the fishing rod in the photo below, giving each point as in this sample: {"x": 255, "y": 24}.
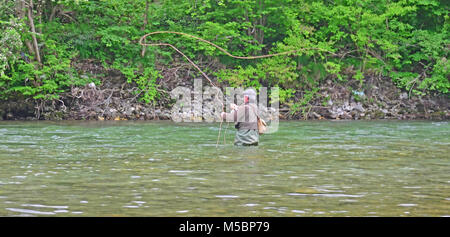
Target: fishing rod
{"x": 141, "y": 42}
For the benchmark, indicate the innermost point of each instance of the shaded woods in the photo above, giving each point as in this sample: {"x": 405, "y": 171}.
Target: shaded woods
{"x": 80, "y": 59}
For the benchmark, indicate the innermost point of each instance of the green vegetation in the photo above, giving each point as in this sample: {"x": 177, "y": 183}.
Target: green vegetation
{"x": 406, "y": 41}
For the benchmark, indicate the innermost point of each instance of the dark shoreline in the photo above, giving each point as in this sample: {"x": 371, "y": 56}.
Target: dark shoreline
{"x": 148, "y": 113}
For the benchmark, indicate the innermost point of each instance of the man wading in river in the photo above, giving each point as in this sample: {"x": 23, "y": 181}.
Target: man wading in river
{"x": 245, "y": 118}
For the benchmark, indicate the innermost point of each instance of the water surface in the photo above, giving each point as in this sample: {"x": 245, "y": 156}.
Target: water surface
{"x": 320, "y": 168}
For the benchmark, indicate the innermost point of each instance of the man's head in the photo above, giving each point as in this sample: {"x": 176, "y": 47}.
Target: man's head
{"x": 249, "y": 96}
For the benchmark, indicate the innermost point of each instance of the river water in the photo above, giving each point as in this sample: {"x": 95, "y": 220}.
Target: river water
{"x": 317, "y": 168}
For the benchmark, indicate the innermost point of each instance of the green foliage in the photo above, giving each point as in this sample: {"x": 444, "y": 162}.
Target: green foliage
{"x": 399, "y": 38}
{"x": 334, "y": 69}
{"x": 145, "y": 81}
{"x": 109, "y": 34}
{"x": 286, "y": 94}
{"x": 23, "y": 76}
{"x": 302, "y": 105}
{"x": 344, "y": 40}
{"x": 10, "y": 40}
{"x": 47, "y": 80}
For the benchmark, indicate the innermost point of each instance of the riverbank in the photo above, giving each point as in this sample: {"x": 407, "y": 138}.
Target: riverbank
{"x": 115, "y": 99}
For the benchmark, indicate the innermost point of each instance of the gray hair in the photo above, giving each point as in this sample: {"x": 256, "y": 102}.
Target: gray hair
{"x": 251, "y": 93}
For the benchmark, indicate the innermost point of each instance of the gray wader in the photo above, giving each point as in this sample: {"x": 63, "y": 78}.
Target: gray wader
{"x": 246, "y": 137}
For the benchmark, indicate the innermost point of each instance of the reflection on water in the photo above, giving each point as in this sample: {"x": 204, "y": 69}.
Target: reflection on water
{"x": 382, "y": 168}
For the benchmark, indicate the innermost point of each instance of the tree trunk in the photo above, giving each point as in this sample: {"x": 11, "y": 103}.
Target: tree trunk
{"x": 262, "y": 22}
{"x": 53, "y": 13}
{"x": 30, "y": 47}
{"x": 33, "y": 32}
{"x": 20, "y": 13}
{"x": 145, "y": 15}
{"x": 147, "y": 2}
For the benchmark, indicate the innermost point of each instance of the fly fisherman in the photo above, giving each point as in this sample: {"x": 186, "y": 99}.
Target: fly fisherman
{"x": 245, "y": 118}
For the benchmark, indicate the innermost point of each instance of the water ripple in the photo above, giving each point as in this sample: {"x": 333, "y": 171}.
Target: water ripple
{"x": 226, "y": 196}
{"x": 407, "y": 205}
{"x": 325, "y": 195}
{"x": 28, "y": 211}
{"x": 44, "y": 206}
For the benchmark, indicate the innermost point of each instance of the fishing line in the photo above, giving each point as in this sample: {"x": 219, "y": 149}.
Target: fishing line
{"x": 219, "y": 48}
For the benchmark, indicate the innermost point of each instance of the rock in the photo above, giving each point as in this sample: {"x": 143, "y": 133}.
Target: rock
{"x": 410, "y": 116}
{"x": 98, "y": 110}
{"x": 358, "y": 106}
{"x": 333, "y": 115}
{"x": 420, "y": 108}
{"x": 346, "y": 106}
{"x": 403, "y": 96}
{"x": 346, "y": 115}
{"x": 165, "y": 115}
{"x": 316, "y": 115}
{"x": 128, "y": 111}
{"x": 377, "y": 114}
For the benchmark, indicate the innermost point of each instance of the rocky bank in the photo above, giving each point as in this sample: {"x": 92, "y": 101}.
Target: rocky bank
{"x": 115, "y": 99}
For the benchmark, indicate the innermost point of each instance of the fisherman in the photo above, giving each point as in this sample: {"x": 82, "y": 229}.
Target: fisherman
{"x": 245, "y": 118}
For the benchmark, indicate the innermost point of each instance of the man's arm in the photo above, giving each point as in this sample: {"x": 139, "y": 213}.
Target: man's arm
{"x": 232, "y": 116}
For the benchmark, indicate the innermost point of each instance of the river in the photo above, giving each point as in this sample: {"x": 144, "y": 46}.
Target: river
{"x": 310, "y": 168}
